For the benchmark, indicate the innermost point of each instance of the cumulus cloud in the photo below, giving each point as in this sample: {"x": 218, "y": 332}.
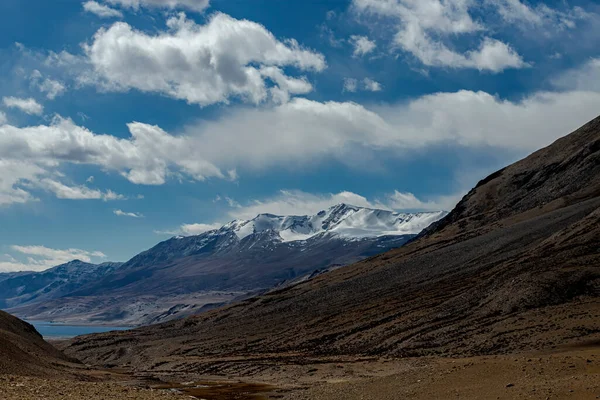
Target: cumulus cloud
{"x": 191, "y": 5}
{"x": 350, "y": 85}
{"x": 52, "y": 88}
{"x": 40, "y": 258}
{"x": 101, "y": 10}
{"x": 201, "y": 64}
{"x": 362, "y": 45}
{"x": 30, "y": 156}
{"x": 427, "y": 28}
{"x": 372, "y": 85}
{"x": 122, "y": 213}
{"x": 28, "y": 106}
{"x": 146, "y": 158}
{"x": 13, "y": 173}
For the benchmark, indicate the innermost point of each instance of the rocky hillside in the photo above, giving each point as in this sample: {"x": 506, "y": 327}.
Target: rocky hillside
{"x": 515, "y": 266}
{"x": 24, "y": 352}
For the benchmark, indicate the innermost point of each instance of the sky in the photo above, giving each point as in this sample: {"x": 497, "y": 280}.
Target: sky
{"x": 125, "y": 122}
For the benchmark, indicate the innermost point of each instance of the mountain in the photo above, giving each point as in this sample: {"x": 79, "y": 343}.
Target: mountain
{"x": 514, "y": 267}
{"x": 23, "y": 350}
{"x": 26, "y": 287}
{"x": 8, "y": 275}
{"x": 184, "y": 275}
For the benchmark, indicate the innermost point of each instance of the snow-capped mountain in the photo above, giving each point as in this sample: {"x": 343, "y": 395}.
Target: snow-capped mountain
{"x": 239, "y": 258}
{"x": 342, "y": 220}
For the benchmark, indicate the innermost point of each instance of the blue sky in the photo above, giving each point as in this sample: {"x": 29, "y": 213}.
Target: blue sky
{"x": 124, "y": 122}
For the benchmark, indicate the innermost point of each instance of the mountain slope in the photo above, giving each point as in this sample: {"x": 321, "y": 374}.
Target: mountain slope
{"x": 184, "y": 274}
{"x": 23, "y": 350}
{"x": 22, "y": 288}
{"x": 516, "y": 265}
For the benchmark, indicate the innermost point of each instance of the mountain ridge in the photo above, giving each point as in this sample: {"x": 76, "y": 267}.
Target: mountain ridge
{"x": 25, "y": 287}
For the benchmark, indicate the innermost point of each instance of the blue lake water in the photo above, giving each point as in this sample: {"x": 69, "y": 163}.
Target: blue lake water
{"x": 50, "y": 330}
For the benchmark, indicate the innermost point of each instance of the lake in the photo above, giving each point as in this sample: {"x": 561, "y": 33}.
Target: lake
{"x": 51, "y": 330}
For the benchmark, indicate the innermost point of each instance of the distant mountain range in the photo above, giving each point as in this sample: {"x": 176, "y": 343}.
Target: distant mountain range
{"x": 184, "y": 275}
{"x": 26, "y": 287}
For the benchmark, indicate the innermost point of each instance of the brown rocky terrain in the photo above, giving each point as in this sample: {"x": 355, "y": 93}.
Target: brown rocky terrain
{"x": 24, "y": 351}
{"x": 32, "y": 369}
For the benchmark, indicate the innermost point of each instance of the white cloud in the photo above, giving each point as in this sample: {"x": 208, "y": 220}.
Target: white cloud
{"x": 201, "y": 64}
{"x": 190, "y": 229}
{"x": 423, "y": 28}
{"x": 586, "y": 78}
{"x": 371, "y": 85}
{"x": 63, "y": 191}
{"x": 294, "y": 202}
{"x": 28, "y": 106}
{"x": 408, "y": 201}
{"x": 197, "y": 229}
{"x": 514, "y": 11}
{"x": 30, "y": 156}
{"x": 299, "y": 134}
{"x": 350, "y": 85}
{"x": 303, "y": 132}
{"x": 285, "y": 85}
{"x": 101, "y": 10}
{"x": 231, "y": 202}
{"x": 493, "y": 55}
{"x": 52, "y": 88}
{"x": 362, "y": 45}
{"x": 12, "y": 174}
{"x": 121, "y": 213}
{"x": 40, "y": 258}
{"x": 3, "y": 118}
{"x": 192, "y": 5}
{"x": 146, "y": 158}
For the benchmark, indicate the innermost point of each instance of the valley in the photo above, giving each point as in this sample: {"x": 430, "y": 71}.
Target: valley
{"x": 499, "y": 298}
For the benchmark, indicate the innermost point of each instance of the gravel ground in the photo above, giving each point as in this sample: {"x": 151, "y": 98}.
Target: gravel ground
{"x": 30, "y": 388}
